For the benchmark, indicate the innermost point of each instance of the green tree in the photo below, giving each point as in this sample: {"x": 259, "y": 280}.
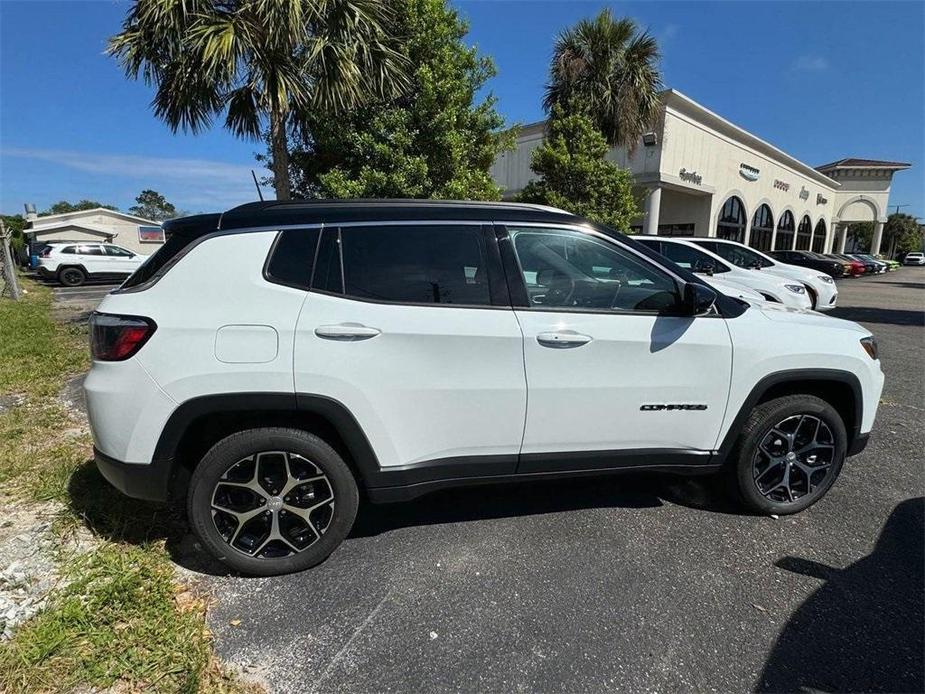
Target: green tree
{"x": 152, "y": 205}
{"x": 611, "y": 68}
{"x": 15, "y": 225}
{"x": 63, "y": 206}
{"x": 576, "y": 176}
{"x": 434, "y": 141}
{"x": 859, "y": 236}
{"x": 901, "y": 234}
{"x": 255, "y": 61}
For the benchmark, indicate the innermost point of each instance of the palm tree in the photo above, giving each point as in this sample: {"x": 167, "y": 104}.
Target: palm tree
{"x": 608, "y": 68}
{"x": 258, "y": 62}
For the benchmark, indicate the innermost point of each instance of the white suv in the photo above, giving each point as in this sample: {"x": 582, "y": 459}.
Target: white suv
{"x": 698, "y": 260}
{"x": 914, "y": 258}
{"x": 398, "y": 347}
{"x": 73, "y": 263}
{"x": 821, "y": 287}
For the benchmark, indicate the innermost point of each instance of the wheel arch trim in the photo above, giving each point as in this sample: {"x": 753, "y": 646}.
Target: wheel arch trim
{"x": 795, "y": 376}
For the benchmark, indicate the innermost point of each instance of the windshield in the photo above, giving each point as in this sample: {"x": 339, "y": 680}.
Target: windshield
{"x": 737, "y": 255}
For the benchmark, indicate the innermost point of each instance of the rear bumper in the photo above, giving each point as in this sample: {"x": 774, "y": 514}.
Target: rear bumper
{"x": 150, "y": 482}
{"x": 44, "y": 272}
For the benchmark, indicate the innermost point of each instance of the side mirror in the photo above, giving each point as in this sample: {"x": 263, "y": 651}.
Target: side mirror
{"x": 698, "y": 298}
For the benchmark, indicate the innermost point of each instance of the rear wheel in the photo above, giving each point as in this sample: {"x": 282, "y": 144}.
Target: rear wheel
{"x": 72, "y": 277}
{"x": 272, "y": 501}
{"x": 789, "y": 454}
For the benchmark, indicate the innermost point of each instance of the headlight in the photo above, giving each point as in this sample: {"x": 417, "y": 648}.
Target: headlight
{"x": 870, "y": 346}
{"x": 825, "y": 278}
{"x": 796, "y": 288}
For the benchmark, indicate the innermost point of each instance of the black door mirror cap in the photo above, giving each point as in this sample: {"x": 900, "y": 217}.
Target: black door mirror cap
{"x": 698, "y": 298}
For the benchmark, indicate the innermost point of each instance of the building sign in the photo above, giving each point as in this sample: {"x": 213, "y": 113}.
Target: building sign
{"x": 749, "y": 173}
{"x": 780, "y": 185}
{"x": 804, "y": 194}
{"x": 690, "y": 176}
{"x": 150, "y": 234}
{"x": 820, "y": 200}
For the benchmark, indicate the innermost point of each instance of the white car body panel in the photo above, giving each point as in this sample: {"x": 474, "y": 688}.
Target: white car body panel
{"x": 94, "y": 264}
{"x": 734, "y": 289}
{"x": 436, "y": 382}
{"x": 588, "y": 397}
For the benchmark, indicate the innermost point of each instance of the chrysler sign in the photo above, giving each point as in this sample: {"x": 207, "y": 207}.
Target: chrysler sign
{"x": 749, "y": 173}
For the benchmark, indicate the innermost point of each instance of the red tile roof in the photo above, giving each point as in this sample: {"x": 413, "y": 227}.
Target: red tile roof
{"x": 863, "y": 164}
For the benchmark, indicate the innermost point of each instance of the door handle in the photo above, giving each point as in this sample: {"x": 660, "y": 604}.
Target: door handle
{"x": 563, "y": 339}
{"x": 347, "y": 332}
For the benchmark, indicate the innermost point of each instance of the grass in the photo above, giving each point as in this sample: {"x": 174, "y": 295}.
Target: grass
{"x": 119, "y": 618}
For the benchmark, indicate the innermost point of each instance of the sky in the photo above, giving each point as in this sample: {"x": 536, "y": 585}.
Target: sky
{"x": 820, "y": 80}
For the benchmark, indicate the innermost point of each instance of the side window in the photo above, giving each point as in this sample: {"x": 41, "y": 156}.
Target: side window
{"x": 569, "y": 270}
{"x": 292, "y": 257}
{"x": 90, "y": 250}
{"x": 692, "y": 259}
{"x": 70, "y": 250}
{"x": 117, "y": 252}
{"x": 328, "y": 276}
{"x": 426, "y": 264}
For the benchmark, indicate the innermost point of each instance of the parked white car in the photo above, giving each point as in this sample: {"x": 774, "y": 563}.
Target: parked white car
{"x": 692, "y": 257}
{"x": 823, "y": 291}
{"x": 73, "y": 263}
{"x": 398, "y": 347}
{"x": 914, "y": 258}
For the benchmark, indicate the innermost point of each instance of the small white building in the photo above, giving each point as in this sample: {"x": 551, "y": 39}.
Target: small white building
{"x": 139, "y": 235}
{"x": 702, "y": 175}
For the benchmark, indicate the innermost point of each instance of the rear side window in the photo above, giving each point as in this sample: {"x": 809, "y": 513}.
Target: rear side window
{"x": 90, "y": 250}
{"x": 70, "y": 250}
{"x": 292, "y": 258}
{"x": 426, "y": 264}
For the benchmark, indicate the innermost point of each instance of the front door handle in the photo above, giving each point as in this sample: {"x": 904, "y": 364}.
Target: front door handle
{"x": 563, "y": 339}
{"x": 347, "y": 332}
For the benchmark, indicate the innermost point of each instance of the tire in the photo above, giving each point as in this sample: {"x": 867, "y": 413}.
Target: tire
{"x": 780, "y": 484}
{"x": 72, "y": 276}
{"x": 274, "y": 536}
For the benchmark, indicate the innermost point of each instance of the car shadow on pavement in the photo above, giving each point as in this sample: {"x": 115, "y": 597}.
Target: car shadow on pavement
{"x": 891, "y": 316}
{"x": 540, "y": 497}
{"x": 863, "y": 629}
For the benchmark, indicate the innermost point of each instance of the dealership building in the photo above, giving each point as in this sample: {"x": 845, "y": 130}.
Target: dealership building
{"x": 702, "y": 175}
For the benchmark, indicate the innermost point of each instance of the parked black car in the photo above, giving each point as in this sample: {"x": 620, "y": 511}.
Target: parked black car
{"x": 811, "y": 260}
{"x": 871, "y": 264}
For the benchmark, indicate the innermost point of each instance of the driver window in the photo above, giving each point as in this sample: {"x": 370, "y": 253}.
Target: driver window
{"x": 567, "y": 270}
{"x": 116, "y": 251}
{"x": 692, "y": 259}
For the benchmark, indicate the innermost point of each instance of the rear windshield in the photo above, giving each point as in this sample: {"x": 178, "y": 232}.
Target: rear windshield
{"x": 163, "y": 255}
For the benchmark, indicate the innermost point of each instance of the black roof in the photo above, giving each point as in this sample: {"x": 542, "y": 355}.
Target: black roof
{"x": 275, "y": 212}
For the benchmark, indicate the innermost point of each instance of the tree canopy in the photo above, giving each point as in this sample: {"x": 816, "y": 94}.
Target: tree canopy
{"x": 610, "y": 68}
{"x": 575, "y": 175}
{"x": 152, "y": 205}
{"x": 63, "y": 206}
{"x": 436, "y": 140}
{"x": 256, "y": 61}
{"x": 902, "y": 233}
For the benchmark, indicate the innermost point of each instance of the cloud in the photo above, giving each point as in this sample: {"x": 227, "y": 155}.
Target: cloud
{"x": 203, "y": 183}
{"x": 811, "y": 63}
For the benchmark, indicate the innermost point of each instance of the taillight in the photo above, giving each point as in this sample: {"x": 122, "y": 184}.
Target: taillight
{"x": 115, "y": 338}
{"x": 45, "y": 253}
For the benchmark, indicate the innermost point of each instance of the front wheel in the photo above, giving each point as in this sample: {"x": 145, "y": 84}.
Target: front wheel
{"x": 789, "y": 454}
{"x": 72, "y": 277}
{"x": 272, "y": 501}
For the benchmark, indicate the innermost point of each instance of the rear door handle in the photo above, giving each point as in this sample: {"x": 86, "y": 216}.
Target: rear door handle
{"x": 347, "y": 332}
{"x": 563, "y": 339}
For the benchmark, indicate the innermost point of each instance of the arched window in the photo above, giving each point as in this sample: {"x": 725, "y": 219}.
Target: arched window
{"x": 785, "y": 227}
{"x": 762, "y": 229}
{"x": 819, "y": 237}
{"x": 804, "y": 233}
{"x": 731, "y": 223}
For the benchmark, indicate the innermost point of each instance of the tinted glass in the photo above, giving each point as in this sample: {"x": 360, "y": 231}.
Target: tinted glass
{"x": 569, "y": 270}
{"x": 691, "y": 259}
{"x": 117, "y": 252}
{"x": 427, "y": 264}
{"x": 293, "y": 256}
{"x": 89, "y": 250}
{"x": 70, "y": 250}
{"x": 328, "y": 276}
{"x": 737, "y": 255}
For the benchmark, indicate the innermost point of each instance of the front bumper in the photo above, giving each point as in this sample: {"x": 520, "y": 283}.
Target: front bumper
{"x": 150, "y": 482}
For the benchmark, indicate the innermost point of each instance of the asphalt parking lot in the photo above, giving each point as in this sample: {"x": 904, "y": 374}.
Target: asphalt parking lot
{"x": 639, "y": 583}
